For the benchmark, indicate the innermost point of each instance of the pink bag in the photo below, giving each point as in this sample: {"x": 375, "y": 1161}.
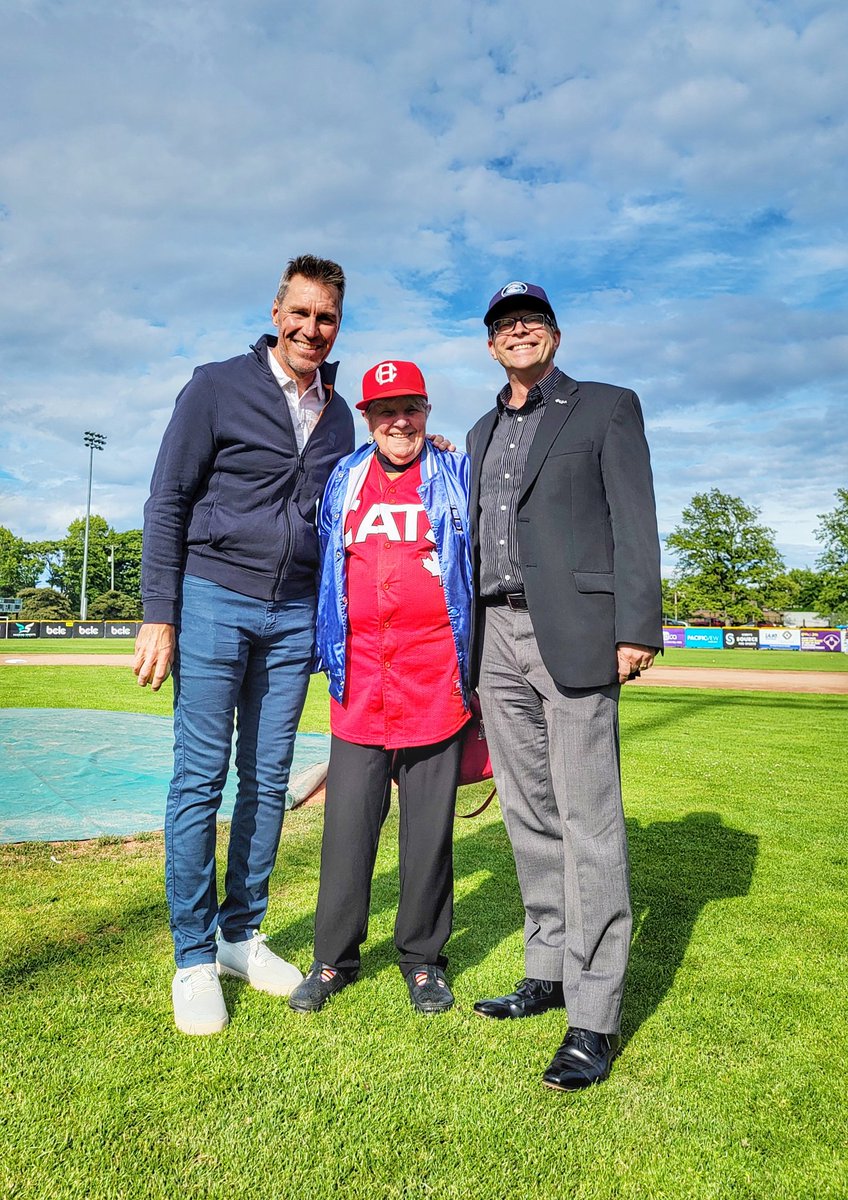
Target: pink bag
{"x": 475, "y": 765}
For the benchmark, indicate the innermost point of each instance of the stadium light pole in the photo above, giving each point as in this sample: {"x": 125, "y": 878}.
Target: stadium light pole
{"x": 94, "y": 441}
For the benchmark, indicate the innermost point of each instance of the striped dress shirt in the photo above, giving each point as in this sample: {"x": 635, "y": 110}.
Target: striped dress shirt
{"x": 500, "y": 482}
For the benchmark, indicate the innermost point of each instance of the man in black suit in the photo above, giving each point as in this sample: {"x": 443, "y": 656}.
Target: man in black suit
{"x": 567, "y": 570}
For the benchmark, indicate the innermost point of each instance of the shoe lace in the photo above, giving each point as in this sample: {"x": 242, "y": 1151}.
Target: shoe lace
{"x": 258, "y": 950}
{"x": 201, "y": 979}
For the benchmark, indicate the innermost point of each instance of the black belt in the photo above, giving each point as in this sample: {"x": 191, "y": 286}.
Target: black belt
{"x": 517, "y": 601}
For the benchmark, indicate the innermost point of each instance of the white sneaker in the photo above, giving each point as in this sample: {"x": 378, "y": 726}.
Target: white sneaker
{"x": 253, "y": 961}
{"x": 198, "y": 1000}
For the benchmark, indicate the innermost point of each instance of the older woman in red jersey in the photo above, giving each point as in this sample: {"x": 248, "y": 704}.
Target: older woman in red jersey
{"x": 393, "y": 629}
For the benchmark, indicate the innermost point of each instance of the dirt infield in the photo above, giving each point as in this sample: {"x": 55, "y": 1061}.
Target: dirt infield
{"x": 832, "y": 683}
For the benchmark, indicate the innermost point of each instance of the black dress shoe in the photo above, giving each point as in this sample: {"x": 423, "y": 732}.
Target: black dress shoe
{"x": 321, "y": 982}
{"x": 531, "y": 997}
{"x": 583, "y": 1058}
{"x": 428, "y": 989}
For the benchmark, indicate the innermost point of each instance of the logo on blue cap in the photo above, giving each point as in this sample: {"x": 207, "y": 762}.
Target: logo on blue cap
{"x": 514, "y": 289}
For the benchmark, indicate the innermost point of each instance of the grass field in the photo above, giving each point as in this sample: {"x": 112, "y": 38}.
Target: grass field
{"x": 756, "y": 660}
{"x": 762, "y": 660}
{"x": 9, "y": 647}
{"x": 731, "y": 1084}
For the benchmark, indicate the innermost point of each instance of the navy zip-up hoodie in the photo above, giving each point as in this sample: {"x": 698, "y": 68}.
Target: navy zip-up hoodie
{"x": 231, "y": 499}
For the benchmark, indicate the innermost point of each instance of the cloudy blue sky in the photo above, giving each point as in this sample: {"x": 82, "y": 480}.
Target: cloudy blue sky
{"x": 673, "y": 172}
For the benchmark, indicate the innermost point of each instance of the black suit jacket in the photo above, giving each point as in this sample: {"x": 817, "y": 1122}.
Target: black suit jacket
{"x": 587, "y": 531}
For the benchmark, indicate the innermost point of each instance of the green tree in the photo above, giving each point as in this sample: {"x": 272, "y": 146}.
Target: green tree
{"x": 128, "y": 562}
{"x": 44, "y": 604}
{"x": 114, "y": 606}
{"x": 65, "y": 564}
{"x": 798, "y": 590}
{"x": 833, "y": 562}
{"x": 676, "y": 600}
{"x": 20, "y": 563}
{"x": 64, "y": 561}
{"x": 726, "y": 561}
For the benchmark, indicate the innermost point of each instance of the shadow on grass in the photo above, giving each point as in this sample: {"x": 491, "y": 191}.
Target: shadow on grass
{"x": 677, "y": 868}
{"x": 88, "y": 941}
{"x": 482, "y": 918}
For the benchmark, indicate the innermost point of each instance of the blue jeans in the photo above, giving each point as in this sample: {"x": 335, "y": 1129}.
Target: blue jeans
{"x": 244, "y": 659}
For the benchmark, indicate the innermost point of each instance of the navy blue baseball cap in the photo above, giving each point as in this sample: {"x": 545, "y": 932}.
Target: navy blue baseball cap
{"x": 516, "y": 295}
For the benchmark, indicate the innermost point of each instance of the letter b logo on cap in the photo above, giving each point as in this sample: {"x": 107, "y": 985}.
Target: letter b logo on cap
{"x": 385, "y": 373}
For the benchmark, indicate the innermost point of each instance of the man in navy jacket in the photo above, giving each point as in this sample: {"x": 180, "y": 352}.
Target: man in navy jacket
{"x": 228, "y": 581}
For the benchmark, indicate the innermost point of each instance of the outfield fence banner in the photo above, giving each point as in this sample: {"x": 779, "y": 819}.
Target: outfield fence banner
{"x": 780, "y": 639}
{"x": 674, "y": 636}
{"x": 821, "y": 639}
{"x": 741, "y": 639}
{"x": 58, "y": 630}
{"x": 21, "y": 629}
{"x": 704, "y": 639}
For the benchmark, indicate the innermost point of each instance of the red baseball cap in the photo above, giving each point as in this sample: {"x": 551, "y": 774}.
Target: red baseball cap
{"x": 391, "y": 378}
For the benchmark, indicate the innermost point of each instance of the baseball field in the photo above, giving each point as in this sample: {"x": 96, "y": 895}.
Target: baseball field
{"x": 731, "y": 1082}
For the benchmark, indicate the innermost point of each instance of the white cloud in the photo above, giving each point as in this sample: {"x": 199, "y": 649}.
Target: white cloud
{"x": 674, "y": 176}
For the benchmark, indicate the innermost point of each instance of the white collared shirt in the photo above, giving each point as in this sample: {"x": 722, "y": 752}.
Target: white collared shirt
{"x": 306, "y": 409}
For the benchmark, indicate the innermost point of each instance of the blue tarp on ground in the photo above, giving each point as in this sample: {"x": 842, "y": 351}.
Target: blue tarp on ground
{"x": 77, "y": 773}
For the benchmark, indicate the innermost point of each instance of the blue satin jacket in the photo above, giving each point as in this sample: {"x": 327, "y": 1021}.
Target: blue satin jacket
{"x": 444, "y": 495}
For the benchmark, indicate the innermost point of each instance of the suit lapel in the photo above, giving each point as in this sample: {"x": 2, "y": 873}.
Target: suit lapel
{"x": 558, "y": 409}
{"x": 478, "y": 451}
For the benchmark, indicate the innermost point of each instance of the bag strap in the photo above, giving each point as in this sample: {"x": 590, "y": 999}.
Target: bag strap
{"x": 482, "y": 808}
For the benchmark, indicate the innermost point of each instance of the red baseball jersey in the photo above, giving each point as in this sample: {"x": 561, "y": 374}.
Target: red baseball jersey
{"x": 402, "y": 683}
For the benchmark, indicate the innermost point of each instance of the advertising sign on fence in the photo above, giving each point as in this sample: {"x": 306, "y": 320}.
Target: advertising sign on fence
{"x": 120, "y": 629}
{"x": 705, "y": 639}
{"x": 68, "y": 629}
{"x": 821, "y": 639}
{"x": 780, "y": 639}
{"x": 56, "y": 629}
{"x": 22, "y": 629}
{"x": 674, "y": 635}
{"x": 741, "y": 639}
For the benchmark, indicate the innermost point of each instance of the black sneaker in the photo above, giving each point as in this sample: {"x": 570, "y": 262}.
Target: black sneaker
{"x": 322, "y": 982}
{"x": 428, "y": 989}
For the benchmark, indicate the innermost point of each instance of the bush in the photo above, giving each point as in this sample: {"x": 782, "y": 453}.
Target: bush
{"x": 44, "y": 604}
{"x": 114, "y": 606}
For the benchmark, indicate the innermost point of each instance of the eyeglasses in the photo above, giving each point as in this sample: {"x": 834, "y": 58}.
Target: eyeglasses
{"x": 528, "y": 320}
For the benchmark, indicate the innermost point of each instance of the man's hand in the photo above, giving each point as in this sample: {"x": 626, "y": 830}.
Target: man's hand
{"x": 632, "y": 659}
{"x": 154, "y": 653}
{"x": 441, "y": 443}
